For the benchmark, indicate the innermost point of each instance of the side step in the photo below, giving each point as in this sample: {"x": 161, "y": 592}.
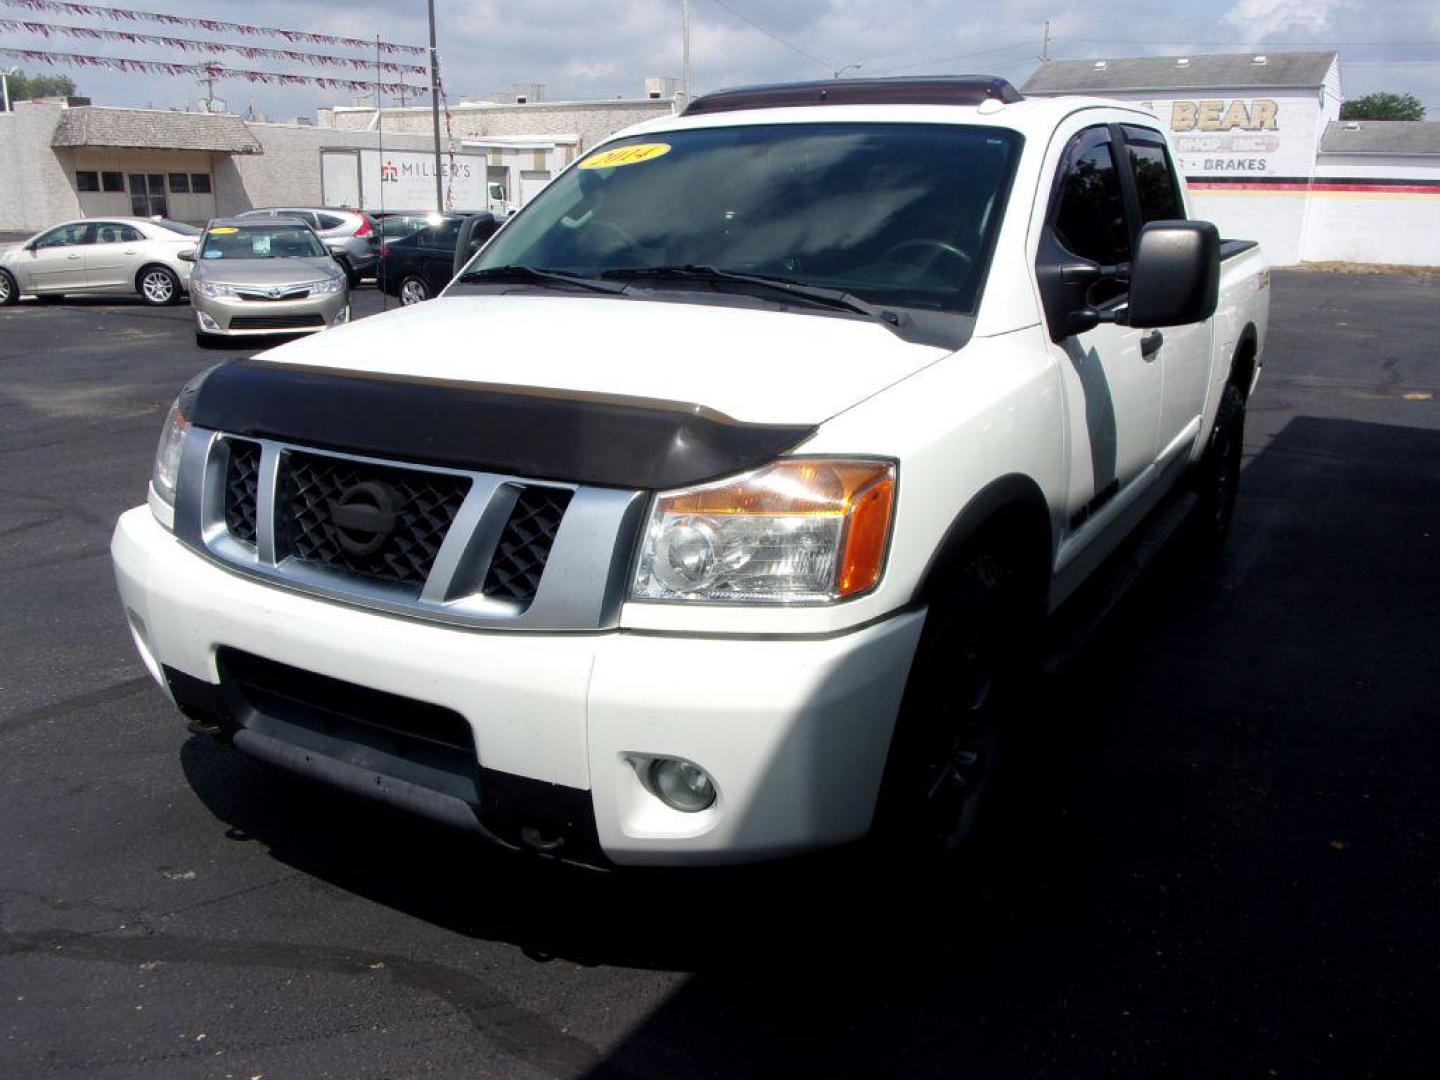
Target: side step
{"x": 1080, "y": 616}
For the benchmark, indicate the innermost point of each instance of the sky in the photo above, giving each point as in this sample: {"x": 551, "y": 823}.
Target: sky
{"x": 589, "y": 49}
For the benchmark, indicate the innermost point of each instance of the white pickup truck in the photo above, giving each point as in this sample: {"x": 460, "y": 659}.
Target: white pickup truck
{"x": 709, "y": 513}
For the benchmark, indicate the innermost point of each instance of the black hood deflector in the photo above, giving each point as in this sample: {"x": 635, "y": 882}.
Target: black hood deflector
{"x": 609, "y": 440}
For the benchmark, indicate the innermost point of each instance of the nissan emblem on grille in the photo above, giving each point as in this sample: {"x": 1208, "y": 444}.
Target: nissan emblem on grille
{"x": 364, "y": 517}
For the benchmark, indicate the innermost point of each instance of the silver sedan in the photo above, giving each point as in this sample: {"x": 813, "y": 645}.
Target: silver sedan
{"x": 264, "y": 276}
{"x": 101, "y": 255}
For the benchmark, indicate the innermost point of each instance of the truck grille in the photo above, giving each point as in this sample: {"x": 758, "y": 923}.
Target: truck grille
{"x": 524, "y": 546}
{"x": 379, "y": 534}
{"x": 242, "y": 485}
{"x": 315, "y": 491}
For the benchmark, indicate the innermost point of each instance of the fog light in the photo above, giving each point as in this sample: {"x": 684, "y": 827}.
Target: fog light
{"x": 207, "y": 323}
{"x": 343, "y": 317}
{"x": 681, "y": 785}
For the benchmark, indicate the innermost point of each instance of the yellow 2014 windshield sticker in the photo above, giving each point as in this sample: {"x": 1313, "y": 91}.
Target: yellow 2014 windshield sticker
{"x": 223, "y": 230}
{"x": 625, "y": 155}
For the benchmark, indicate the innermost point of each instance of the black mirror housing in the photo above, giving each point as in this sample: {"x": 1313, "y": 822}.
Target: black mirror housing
{"x": 474, "y": 231}
{"x": 1175, "y": 274}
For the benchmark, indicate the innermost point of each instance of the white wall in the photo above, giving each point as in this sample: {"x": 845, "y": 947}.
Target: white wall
{"x": 36, "y": 189}
{"x": 1394, "y": 222}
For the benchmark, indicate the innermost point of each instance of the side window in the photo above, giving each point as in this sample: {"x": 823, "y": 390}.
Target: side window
{"x": 1090, "y": 218}
{"x": 1154, "y": 177}
{"x": 68, "y": 236}
{"x": 330, "y": 221}
{"x": 130, "y": 235}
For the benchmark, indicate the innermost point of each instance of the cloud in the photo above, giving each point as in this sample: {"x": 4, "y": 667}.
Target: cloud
{"x": 1258, "y": 19}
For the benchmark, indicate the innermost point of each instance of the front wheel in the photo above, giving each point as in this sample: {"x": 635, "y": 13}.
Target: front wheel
{"x": 413, "y": 290}
{"x": 158, "y": 286}
{"x": 948, "y": 737}
{"x": 9, "y": 290}
{"x": 1217, "y": 479}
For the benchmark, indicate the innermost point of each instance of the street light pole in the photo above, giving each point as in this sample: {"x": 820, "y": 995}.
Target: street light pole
{"x": 435, "y": 110}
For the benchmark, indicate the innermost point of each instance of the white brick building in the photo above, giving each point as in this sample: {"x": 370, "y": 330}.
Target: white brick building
{"x": 59, "y": 161}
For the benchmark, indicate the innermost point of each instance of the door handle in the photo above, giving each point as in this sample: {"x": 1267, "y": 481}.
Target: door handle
{"x": 72, "y": 256}
{"x": 1151, "y": 342}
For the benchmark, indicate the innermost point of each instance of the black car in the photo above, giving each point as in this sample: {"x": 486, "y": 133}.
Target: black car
{"x": 417, "y": 254}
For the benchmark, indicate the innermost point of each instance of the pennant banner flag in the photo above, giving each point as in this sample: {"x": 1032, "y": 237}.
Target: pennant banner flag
{"x": 213, "y": 25}
{"x": 204, "y": 70}
{"x": 250, "y": 52}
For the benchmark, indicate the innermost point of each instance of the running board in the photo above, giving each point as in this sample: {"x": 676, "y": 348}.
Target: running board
{"x": 1083, "y": 613}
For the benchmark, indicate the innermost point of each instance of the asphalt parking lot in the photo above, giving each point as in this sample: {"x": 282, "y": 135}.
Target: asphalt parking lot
{"x": 1222, "y": 858}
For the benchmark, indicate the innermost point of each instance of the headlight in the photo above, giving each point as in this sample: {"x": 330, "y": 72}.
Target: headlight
{"x": 212, "y": 288}
{"x": 803, "y": 530}
{"x": 329, "y": 285}
{"x": 167, "y": 454}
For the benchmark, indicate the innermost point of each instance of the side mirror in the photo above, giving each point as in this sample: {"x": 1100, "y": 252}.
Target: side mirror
{"x": 474, "y": 231}
{"x": 1175, "y": 275}
{"x": 186, "y": 254}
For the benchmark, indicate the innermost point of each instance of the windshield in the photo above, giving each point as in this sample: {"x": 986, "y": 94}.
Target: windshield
{"x": 896, "y": 214}
{"x": 261, "y": 242}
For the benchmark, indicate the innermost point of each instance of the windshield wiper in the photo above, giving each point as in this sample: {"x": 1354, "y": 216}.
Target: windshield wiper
{"x": 834, "y": 298}
{"x": 534, "y": 275}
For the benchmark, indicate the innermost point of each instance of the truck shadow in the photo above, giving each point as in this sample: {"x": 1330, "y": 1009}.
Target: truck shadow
{"x": 1225, "y": 828}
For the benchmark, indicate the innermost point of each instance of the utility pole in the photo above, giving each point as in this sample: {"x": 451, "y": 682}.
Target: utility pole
{"x": 685, "y": 45}
{"x": 5, "y": 88}
{"x": 1045, "y": 44}
{"x": 435, "y": 111}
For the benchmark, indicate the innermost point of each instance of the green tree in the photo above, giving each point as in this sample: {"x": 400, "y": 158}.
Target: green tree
{"x": 26, "y": 87}
{"x": 1383, "y": 106}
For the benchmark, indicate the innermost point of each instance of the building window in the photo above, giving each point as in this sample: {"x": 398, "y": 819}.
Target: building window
{"x": 147, "y": 195}
{"x": 200, "y": 183}
{"x": 113, "y": 181}
{"x": 87, "y": 181}
{"x": 179, "y": 183}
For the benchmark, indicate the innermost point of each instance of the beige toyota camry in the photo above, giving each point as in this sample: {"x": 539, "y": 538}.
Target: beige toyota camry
{"x": 268, "y": 276}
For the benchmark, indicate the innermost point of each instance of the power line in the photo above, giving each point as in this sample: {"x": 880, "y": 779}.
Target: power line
{"x": 774, "y": 36}
{"x": 963, "y": 56}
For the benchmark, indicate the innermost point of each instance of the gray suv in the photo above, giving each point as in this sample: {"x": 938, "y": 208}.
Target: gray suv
{"x": 350, "y": 235}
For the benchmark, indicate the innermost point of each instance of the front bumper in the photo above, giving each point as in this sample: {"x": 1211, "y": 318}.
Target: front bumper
{"x": 795, "y": 732}
{"x": 229, "y": 316}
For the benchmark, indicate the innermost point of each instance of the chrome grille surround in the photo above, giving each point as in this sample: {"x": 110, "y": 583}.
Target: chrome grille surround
{"x": 581, "y": 587}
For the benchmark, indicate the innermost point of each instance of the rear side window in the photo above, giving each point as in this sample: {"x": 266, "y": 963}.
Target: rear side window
{"x": 1090, "y": 219}
{"x": 330, "y": 221}
{"x": 1154, "y": 177}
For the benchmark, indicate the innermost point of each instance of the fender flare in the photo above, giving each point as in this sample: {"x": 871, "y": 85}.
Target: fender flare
{"x": 1018, "y": 501}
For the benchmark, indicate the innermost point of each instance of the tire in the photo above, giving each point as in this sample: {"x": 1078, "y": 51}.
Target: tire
{"x": 204, "y": 340}
{"x": 9, "y": 290}
{"x": 413, "y": 290}
{"x": 158, "y": 286}
{"x": 352, "y": 276}
{"x": 1217, "y": 480}
{"x": 958, "y": 702}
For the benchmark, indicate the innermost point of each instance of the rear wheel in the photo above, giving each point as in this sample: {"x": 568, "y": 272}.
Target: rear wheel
{"x": 1217, "y": 480}
{"x": 413, "y": 290}
{"x": 158, "y": 286}
{"x": 352, "y": 276}
{"x": 9, "y": 290}
{"x": 948, "y": 738}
